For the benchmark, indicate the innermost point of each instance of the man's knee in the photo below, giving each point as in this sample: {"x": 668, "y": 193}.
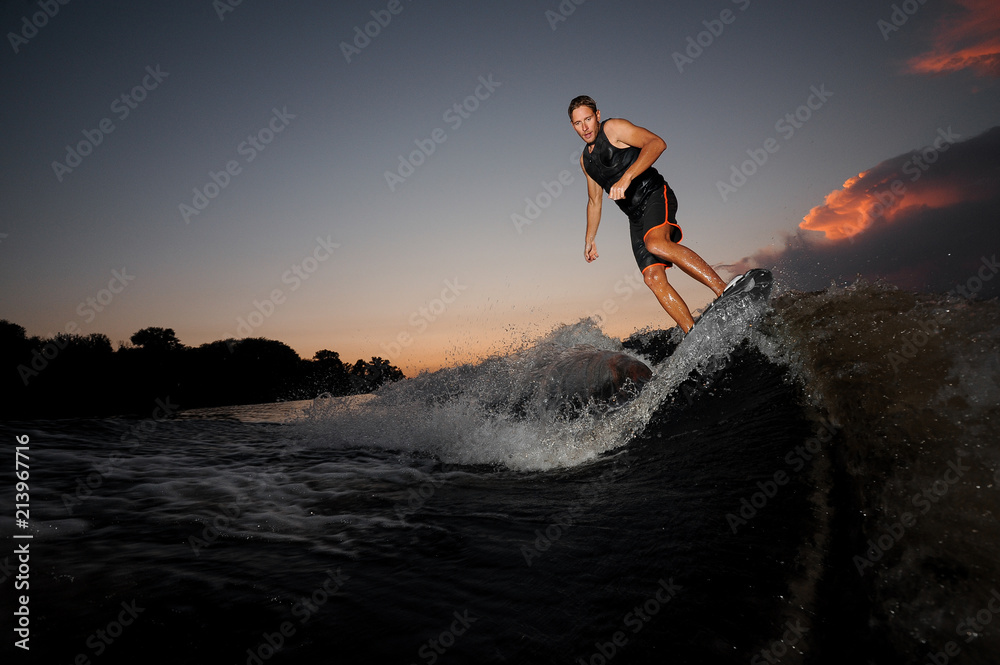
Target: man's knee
{"x": 654, "y": 276}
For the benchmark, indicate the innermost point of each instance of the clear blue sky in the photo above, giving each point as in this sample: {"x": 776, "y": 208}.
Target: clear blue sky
{"x": 430, "y": 268}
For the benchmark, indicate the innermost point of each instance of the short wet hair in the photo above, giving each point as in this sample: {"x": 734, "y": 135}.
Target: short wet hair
{"x": 582, "y": 100}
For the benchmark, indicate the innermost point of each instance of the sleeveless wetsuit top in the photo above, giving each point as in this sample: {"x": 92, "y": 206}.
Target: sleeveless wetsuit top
{"x": 606, "y": 164}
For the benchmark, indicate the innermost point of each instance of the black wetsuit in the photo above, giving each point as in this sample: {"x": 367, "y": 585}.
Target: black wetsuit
{"x": 648, "y": 202}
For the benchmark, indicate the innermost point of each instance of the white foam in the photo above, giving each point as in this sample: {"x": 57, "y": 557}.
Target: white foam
{"x": 479, "y": 414}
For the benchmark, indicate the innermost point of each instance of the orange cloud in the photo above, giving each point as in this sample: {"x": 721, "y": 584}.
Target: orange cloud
{"x": 849, "y": 211}
{"x": 968, "y": 38}
{"x": 924, "y": 220}
{"x": 935, "y": 177}
{"x": 845, "y": 212}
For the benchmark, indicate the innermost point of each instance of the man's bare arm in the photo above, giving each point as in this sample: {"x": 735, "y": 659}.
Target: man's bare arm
{"x": 622, "y": 133}
{"x": 595, "y": 196}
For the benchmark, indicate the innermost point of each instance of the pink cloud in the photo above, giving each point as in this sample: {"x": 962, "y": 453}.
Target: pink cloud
{"x": 966, "y": 38}
{"x": 920, "y": 220}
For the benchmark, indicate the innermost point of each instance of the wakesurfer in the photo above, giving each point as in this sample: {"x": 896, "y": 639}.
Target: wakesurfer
{"x": 619, "y": 159}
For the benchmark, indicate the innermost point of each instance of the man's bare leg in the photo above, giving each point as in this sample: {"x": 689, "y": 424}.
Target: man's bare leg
{"x": 655, "y": 277}
{"x": 684, "y": 258}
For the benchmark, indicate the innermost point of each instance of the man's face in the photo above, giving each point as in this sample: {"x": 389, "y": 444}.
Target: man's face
{"x": 586, "y": 123}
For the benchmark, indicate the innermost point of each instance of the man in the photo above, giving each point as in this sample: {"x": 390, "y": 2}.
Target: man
{"x": 619, "y": 159}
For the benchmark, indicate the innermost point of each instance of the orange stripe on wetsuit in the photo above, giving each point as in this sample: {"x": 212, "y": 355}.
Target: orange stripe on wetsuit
{"x": 676, "y": 233}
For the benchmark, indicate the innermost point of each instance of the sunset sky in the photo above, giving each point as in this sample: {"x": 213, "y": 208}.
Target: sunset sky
{"x": 400, "y": 179}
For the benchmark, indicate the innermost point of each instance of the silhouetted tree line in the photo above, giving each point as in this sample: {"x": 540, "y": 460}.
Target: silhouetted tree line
{"x": 82, "y": 375}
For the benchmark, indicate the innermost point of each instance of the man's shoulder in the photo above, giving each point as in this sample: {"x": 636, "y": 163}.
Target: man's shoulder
{"x": 613, "y": 127}
{"x": 612, "y": 124}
